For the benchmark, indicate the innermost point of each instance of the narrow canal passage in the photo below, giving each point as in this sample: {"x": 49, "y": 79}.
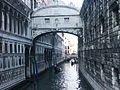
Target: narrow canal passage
{"x": 68, "y": 79}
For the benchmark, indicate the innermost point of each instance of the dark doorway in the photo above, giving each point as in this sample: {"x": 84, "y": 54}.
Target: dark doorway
{"x": 26, "y": 62}
{"x": 31, "y": 60}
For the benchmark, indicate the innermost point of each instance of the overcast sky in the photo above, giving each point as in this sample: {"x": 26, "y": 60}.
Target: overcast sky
{"x": 77, "y": 3}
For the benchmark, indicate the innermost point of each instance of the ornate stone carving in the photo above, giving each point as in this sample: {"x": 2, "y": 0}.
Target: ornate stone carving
{"x": 11, "y": 74}
{"x": 18, "y": 5}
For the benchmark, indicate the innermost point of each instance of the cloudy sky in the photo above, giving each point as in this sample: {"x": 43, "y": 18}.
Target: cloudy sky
{"x": 77, "y": 3}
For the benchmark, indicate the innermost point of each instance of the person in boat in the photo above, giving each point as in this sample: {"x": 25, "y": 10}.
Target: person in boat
{"x": 57, "y": 69}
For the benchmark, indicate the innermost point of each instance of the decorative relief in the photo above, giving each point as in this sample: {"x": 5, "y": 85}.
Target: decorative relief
{"x": 18, "y": 6}
{"x": 12, "y": 74}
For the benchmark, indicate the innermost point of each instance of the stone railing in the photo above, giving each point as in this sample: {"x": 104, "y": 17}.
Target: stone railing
{"x": 10, "y": 77}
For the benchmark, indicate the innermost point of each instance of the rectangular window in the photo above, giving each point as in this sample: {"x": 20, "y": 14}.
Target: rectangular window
{"x": 22, "y": 60}
{"x": 116, "y": 16}
{"x": 5, "y": 21}
{"x": 18, "y": 48}
{"x": 14, "y": 25}
{"x": 8, "y": 63}
{"x": 102, "y": 26}
{"x": 0, "y": 47}
{"x": 0, "y": 18}
{"x": 13, "y": 61}
{"x": 66, "y": 19}
{"x": 47, "y": 20}
{"x": 15, "y": 48}
{"x": 1, "y": 63}
{"x": 21, "y": 28}
{"x": 10, "y": 48}
{"x": 4, "y": 63}
{"x": 22, "y": 49}
{"x": 19, "y": 60}
{"x": 26, "y": 25}
{"x": 6, "y": 48}
{"x": 18, "y": 27}
{"x": 16, "y": 60}
{"x": 10, "y": 25}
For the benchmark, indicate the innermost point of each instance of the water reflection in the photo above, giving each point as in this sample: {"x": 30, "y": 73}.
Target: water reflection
{"x": 68, "y": 79}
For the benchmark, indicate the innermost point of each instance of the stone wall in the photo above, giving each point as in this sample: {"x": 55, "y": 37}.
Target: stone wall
{"x": 101, "y": 44}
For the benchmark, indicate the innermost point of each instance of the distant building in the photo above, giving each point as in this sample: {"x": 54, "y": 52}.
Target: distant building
{"x": 70, "y": 45}
{"x": 48, "y": 50}
{"x": 66, "y": 46}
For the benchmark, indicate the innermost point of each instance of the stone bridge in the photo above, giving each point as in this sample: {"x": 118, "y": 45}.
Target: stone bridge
{"x": 56, "y": 18}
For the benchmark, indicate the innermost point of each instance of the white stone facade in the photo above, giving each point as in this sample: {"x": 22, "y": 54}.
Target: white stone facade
{"x": 55, "y": 18}
{"x": 14, "y": 36}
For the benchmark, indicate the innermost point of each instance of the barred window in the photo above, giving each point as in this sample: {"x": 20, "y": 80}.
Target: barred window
{"x": 47, "y": 20}
{"x": 66, "y": 19}
{"x": 115, "y": 16}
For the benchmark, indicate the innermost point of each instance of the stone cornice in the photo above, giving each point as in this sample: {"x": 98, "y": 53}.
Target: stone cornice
{"x": 7, "y": 35}
{"x": 55, "y": 15}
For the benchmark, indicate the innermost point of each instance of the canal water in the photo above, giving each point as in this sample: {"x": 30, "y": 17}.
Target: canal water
{"x": 68, "y": 79}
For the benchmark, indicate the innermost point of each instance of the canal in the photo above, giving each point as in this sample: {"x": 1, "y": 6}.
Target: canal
{"x": 68, "y": 79}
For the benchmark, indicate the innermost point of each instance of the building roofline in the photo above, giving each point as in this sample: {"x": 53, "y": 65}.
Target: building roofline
{"x": 55, "y": 6}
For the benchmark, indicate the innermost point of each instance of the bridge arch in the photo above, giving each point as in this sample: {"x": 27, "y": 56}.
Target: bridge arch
{"x": 78, "y": 34}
